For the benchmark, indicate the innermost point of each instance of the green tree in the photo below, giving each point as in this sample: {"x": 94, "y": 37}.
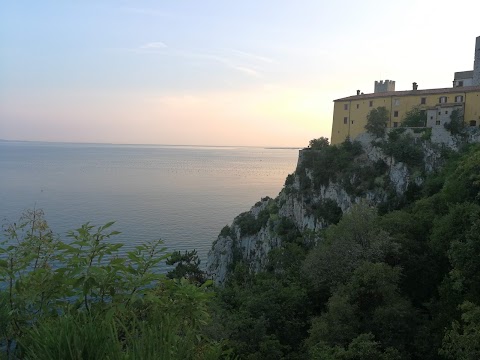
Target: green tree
{"x": 403, "y": 148}
{"x": 187, "y": 265}
{"x": 318, "y": 144}
{"x": 415, "y": 118}
{"x": 464, "y": 254}
{"x": 377, "y": 120}
{"x": 369, "y": 302}
{"x": 456, "y": 124}
{"x": 345, "y": 246}
{"x": 362, "y": 347}
{"x": 463, "y": 183}
{"x": 462, "y": 341}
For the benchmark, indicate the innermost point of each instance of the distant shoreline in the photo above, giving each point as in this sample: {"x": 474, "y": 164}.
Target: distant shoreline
{"x": 154, "y": 145}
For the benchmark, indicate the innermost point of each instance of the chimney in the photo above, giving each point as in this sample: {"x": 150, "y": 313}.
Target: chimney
{"x": 415, "y": 86}
{"x": 358, "y": 92}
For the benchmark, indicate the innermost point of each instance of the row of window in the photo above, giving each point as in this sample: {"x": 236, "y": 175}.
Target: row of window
{"x": 423, "y": 101}
{"x": 370, "y": 104}
{"x": 444, "y": 99}
{"x": 395, "y": 114}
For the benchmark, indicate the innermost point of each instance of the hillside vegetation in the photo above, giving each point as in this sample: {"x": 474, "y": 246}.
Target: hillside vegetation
{"x": 79, "y": 299}
{"x": 399, "y": 280}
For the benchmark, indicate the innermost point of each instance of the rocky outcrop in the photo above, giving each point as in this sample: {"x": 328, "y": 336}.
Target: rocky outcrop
{"x": 307, "y": 206}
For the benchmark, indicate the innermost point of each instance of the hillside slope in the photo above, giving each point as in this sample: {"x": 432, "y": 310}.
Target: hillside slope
{"x": 325, "y": 184}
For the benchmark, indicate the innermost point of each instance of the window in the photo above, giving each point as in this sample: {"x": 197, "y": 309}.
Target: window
{"x": 460, "y": 83}
{"x": 396, "y": 102}
{"x": 439, "y": 113}
{"x": 459, "y": 98}
{"x": 395, "y": 124}
{"x": 431, "y": 117}
{"x": 352, "y": 121}
{"x": 437, "y": 122}
{"x": 370, "y": 103}
{"x": 423, "y": 101}
{"x": 473, "y": 123}
{"x": 345, "y": 106}
{"x": 345, "y": 120}
{"x": 446, "y": 112}
{"x": 395, "y": 114}
{"x": 442, "y": 99}
{"x": 358, "y": 105}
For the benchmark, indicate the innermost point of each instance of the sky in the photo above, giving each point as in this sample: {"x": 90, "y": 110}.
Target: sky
{"x": 250, "y": 72}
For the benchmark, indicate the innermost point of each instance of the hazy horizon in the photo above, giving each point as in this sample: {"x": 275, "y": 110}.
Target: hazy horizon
{"x": 213, "y": 73}
{"x": 151, "y": 144}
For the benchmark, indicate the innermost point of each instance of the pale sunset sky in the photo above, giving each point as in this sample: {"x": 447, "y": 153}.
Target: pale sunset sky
{"x": 250, "y": 72}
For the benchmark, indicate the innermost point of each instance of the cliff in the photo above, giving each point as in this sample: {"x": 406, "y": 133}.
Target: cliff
{"x": 386, "y": 173}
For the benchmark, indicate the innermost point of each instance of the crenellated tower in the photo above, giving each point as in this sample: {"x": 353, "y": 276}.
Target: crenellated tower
{"x": 384, "y": 86}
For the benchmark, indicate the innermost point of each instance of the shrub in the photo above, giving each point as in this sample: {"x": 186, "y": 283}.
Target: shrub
{"x": 328, "y": 164}
{"x": 287, "y": 230}
{"x": 249, "y": 225}
{"x": 226, "y": 231}
{"x": 327, "y": 210}
{"x": 290, "y": 180}
{"x": 402, "y": 148}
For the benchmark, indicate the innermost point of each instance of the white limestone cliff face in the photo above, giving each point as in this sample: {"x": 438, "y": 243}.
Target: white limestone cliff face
{"x": 252, "y": 248}
{"x": 292, "y": 204}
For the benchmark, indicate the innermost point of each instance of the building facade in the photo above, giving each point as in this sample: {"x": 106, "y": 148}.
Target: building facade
{"x": 350, "y": 113}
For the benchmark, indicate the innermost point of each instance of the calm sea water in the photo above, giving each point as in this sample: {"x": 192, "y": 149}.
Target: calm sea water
{"x": 181, "y": 194}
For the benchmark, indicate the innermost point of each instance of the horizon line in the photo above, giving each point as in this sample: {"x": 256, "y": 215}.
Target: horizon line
{"x": 151, "y": 144}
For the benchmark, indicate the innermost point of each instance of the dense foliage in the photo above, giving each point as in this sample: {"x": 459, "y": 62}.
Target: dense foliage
{"x": 400, "y": 284}
{"x": 79, "y": 299}
{"x": 327, "y": 163}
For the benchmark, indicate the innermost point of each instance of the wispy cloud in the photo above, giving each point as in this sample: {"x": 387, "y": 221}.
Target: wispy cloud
{"x": 227, "y": 61}
{"x": 251, "y": 56}
{"x": 246, "y": 70}
{"x": 153, "y": 45}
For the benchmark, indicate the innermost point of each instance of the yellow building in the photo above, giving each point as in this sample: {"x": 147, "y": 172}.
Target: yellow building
{"x": 350, "y": 113}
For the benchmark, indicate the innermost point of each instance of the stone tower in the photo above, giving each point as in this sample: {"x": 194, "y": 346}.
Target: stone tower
{"x": 385, "y": 86}
{"x": 476, "y": 64}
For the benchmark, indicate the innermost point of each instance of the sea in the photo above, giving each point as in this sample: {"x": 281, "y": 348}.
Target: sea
{"x": 183, "y": 195}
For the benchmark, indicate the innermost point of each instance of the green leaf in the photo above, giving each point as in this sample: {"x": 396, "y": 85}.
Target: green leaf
{"x": 106, "y": 226}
